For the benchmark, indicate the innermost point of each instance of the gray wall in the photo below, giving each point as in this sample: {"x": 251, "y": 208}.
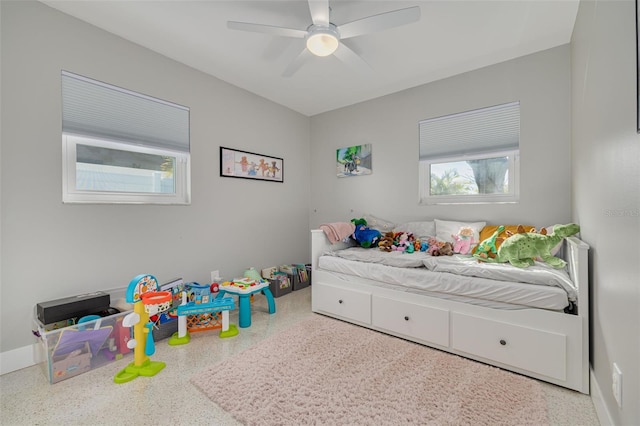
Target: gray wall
{"x": 52, "y": 250}
{"x": 606, "y": 175}
{"x": 541, "y": 82}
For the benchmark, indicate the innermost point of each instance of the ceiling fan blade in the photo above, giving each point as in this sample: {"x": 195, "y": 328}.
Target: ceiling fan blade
{"x": 267, "y": 29}
{"x": 319, "y": 12}
{"x": 379, "y": 22}
{"x": 294, "y": 66}
{"x": 352, "y": 59}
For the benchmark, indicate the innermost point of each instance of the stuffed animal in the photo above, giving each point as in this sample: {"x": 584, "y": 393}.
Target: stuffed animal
{"x": 521, "y": 249}
{"x": 366, "y": 237}
{"x": 464, "y": 240}
{"x": 401, "y": 243}
{"x": 487, "y": 248}
{"x": 386, "y": 242}
{"x": 445, "y": 250}
{"x": 359, "y": 221}
{"x": 433, "y": 245}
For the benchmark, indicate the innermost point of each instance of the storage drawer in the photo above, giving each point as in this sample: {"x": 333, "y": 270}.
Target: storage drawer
{"x": 346, "y": 303}
{"x": 538, "y": 351}
{"x": 427, "y": 324}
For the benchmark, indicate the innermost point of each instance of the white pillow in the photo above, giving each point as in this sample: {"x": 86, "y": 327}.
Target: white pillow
{"x": 446, "y": 228}
{"x": 376, "y": 223}
{"x": 420, "y": 230}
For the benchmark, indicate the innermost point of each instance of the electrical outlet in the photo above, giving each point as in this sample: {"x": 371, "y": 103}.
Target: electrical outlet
{"x": 617, "y": 384}
{"x": 215, "y": 275}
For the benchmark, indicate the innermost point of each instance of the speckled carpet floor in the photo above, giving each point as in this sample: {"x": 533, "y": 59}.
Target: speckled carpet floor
{"x": 325, "y": 371}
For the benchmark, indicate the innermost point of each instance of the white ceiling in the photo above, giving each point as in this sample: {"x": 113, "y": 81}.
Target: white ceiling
{"x": 452, "y": 37}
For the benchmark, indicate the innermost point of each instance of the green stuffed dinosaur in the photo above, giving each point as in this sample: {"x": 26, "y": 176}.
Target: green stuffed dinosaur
{"x": 488, "y": 246}
{"x": 521, "y": 249}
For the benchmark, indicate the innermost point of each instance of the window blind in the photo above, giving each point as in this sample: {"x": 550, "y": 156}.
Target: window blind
{"x": 93, "y": 108}
{"x": 494, "y": 128}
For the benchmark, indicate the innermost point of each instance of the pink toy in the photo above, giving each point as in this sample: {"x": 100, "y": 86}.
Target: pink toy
{"x": 463, "y": 241}
{"x": 402, "y": 244}
{"x": 434, "y": 245}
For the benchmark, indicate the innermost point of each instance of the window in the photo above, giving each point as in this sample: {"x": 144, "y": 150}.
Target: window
{"x": 471, "y": 157}
{"x": 122, "y": 147}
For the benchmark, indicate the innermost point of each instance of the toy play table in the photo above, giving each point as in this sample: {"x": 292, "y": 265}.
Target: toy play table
{"x": 244, "y": 299}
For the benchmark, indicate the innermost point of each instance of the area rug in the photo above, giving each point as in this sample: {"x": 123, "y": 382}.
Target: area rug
{"x": 328, "y": 372}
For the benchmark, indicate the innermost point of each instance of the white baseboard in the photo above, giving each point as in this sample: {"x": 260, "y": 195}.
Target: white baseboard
{"x": 18, "y": 359}
{"x": 604, "y": 416}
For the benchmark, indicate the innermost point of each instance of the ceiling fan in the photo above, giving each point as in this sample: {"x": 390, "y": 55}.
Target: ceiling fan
{"x": 323, "y": 38}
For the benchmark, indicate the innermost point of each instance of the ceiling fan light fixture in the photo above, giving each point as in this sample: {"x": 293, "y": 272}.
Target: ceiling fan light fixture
{"x": 322, "y": 41}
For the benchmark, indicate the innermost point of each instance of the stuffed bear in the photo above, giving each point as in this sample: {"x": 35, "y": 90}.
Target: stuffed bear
{"x": 445, "y": 250}
{"x": 386, "y": 242}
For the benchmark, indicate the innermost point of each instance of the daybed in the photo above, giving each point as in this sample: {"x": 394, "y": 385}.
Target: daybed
{"x": 549, "y": 341}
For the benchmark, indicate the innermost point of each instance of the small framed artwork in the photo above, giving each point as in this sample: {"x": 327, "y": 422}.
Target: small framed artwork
{"x": 249, "y": 165}
{"x": 353, "y": 161}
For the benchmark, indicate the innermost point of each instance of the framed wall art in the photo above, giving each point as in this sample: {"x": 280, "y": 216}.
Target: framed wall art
{"x": 249, "y": 165}
{"x": 353, "y": 161}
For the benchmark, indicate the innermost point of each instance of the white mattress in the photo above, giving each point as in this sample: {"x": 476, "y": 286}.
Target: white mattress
{"x": 480, "y": 291}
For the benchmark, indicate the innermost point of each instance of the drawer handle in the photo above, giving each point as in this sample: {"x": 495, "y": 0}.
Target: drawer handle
{"x": 340, "y": 301}
{"x": 503, "y": 342}
{"x": 406, "y": 318}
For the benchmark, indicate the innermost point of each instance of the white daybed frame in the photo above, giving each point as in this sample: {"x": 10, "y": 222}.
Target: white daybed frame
{"x": 546, "y": 345}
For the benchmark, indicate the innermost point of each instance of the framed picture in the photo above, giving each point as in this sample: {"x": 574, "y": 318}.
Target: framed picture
{"x": 249, "y": 165}
{"x": 353, "y": 161}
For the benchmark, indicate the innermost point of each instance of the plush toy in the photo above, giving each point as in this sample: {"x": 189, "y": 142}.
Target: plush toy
{"x": 445, "y": 250}
{"x": 424, "y": 246}
{"x": 487, "y": 248}
{"x": 463, "y": 241}
{"x": 433, "y": 245}
{"x": 401, "y": 243}
{"x": 366, "y": 236}
{"x": 386, "y": 242}
{"x": 521, "y": 249}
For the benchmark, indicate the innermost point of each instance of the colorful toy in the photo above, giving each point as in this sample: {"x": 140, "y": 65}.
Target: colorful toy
{"x": 521, "y": 249}
{"x": 446, "y": 249}
{"x": 433, "y": 245}
{"x": 401, "y": 242}
{"x": 200, "y": 309}
{"x": 143, "y": 292}
{"x": 410, "y": 248}
{"x": 364, "y": 235}
{"x": 386, "y": 242}
{"x": 463, "y": 241}
{"x": 487, "y": 248}
{"x": 245, "y": 288}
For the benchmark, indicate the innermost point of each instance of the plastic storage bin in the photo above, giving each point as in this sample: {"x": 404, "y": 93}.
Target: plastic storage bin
{"x": 67, "y": 352}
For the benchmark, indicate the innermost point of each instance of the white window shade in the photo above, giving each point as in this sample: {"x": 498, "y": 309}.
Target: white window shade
{"x": 96, "y": 109}
{"x": 495, "y": 128}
